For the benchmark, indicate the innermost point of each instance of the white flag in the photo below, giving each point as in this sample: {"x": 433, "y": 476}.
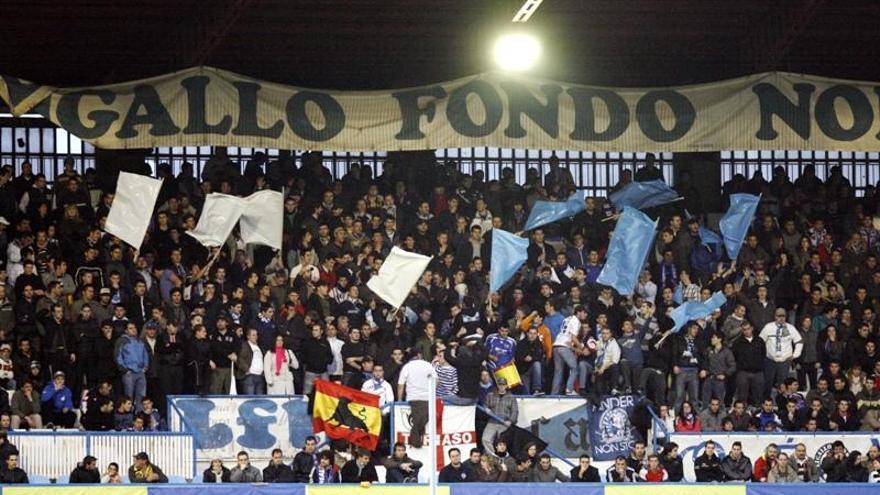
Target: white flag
{"x": 261, "y": 222}
{"x": 219, "y": 215}
{"x": 132, "y": 207}
{"x": 398, "y": 274}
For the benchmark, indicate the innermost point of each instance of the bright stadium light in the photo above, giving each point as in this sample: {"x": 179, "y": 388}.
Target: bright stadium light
{"x": 516, "y": 52}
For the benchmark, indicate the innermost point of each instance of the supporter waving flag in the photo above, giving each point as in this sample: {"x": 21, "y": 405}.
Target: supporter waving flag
{"x": 643, "y": 195}
{"x": 630, "y": 243}
{"x": 509, "y": 252}
{"x": 347, "y": 414}
{"x": 694, "y": 310}
{"x": 545, "y": 212}
{"x": 736, "y": 222}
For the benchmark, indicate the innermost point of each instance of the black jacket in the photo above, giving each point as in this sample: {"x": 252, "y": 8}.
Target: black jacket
{"x": 302, "y": 467}
{"x": 708, "y": 469}
{"x": 749, "y": 355}
{"x": 16, "y": 476}
{"x": 591, "y": 476}
{"x": 349, "y": 473}
{"x": 673, "y": 467}
{"x": 209, "y": 477}
{"x": 451, "y": 474}
{"x": 277, "y": 474}
{"x": 83, "y": 475}
{"x": 317, "y": 355}
{"x": 835, "y": 470}
{"x": 468, "y": 361}
{"x": 527, "y": 348}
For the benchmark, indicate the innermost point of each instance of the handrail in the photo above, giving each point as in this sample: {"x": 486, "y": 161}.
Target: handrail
{"x": 656, "y": 421}
{"x": 546, "y": 449}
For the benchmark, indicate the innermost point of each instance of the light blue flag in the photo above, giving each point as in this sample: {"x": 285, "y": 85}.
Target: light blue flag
{"x": 678, "y": 295}
{"x": 709, "y": 237}
{"x": 509, "y": 252}
{"x": 630, "y": 244}
{"x": 545, "y": 212}
{"x": 735, "y": 223}
{"x": 694, "y": 310}
{"x": 643, "y": 194}
{"x": 715, "y": 302}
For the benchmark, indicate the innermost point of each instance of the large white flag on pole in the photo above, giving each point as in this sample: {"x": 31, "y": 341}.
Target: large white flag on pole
{"x": 399, "y": 273}
{"x": 261, "y": 222}
{"x": 132, "y": 207}
{"x": 219, "y": 215}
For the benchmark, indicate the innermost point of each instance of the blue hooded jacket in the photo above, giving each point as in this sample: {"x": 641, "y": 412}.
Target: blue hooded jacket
{"x": 131, "y": 354}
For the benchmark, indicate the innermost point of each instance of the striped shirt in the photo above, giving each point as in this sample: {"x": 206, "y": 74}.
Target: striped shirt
{"x": 447, "y": 379}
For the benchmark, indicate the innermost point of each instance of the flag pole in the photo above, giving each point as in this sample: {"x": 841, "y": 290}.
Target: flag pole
{"x": 432, "y": 431}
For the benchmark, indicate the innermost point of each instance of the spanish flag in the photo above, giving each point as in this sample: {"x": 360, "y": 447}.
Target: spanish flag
{"x": 344, "y": 413}
{"x": 509, "y": 373}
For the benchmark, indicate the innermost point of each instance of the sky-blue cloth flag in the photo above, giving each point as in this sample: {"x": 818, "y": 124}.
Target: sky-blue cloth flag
{"x": 630, "y": 243}
{"x": 678, "y": 295}
{"x": 694, "y": 310}
{"x": 735, "y": 223}
{"x": 643, "y": 195}
{"x": 509, "y": 252}
{"x": 709, "y": 236}
{"x": 545, "y": 212}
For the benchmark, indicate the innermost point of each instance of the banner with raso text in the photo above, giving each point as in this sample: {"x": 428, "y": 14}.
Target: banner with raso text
{"x": 207, "y": 106}
{"x": 456, "y": 427}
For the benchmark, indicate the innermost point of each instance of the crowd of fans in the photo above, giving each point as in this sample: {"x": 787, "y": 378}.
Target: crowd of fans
{"x": 95, "y": 334}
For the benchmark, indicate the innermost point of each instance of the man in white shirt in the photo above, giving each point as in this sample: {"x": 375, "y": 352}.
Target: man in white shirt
{"x": 784, "y": 344}
{"x": 607, "y": 359}
{"x": 564, "y": 346}
{"x": 249, "y": 366}
{"x": 335, "y": 368}
{"x": 377, "y": 385}
{"x": 412, "y": 386}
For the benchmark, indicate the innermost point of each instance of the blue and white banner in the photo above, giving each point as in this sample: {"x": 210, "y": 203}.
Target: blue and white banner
{"x": 562, "y": 422}
{"x": 611, "y": 432}
{"x": 222, "y": 426}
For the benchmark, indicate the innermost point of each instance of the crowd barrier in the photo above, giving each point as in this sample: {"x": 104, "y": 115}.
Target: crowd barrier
{"x": 51, "y": 455}
{"x": 457, "y": 489}
{"x": 753, "y": 444}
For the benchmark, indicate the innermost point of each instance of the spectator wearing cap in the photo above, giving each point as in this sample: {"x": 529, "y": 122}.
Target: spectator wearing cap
{"x": 783, "y": 346}
{"x": 144, "y": 471}
{"x": 58, "y": 402}
{"x": 103, "y": 309}
{"x": 86, "y": 472}
{"x": 26, "y": 408}
{"x": 133, "y": 360}
{"x": 503, "y": 414}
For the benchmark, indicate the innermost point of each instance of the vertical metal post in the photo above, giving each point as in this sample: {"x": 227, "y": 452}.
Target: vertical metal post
{"x": 432, "y": 432}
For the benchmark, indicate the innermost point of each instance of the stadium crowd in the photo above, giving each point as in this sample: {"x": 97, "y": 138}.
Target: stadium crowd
{"x": 95, "y": 334}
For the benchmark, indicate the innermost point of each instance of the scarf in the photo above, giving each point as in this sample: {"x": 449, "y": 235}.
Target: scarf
{"x": 280, "y": 359}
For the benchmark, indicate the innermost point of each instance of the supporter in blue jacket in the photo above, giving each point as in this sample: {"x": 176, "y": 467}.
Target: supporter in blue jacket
{"x": 57, "y": 402}
{"x": 133, "y": 360}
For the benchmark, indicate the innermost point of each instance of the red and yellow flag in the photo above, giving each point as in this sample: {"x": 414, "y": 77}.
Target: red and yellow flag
{"x": 344, "y": 413}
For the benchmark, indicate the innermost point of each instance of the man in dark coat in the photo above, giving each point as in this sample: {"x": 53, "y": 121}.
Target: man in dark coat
{"x": 86, "y": 471}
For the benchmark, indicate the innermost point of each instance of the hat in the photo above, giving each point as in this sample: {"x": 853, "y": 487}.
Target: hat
{"x": 780, "y": 312}
{"x": 501, "y": 381}
{"x": 142, "y": 456}
{"x": 36, "y": 364}
{"x": 6, "y": 346}
{"x": 4, "y": 221}
{"x": 58, "y": 373}
{"x": 103, "y": 291}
